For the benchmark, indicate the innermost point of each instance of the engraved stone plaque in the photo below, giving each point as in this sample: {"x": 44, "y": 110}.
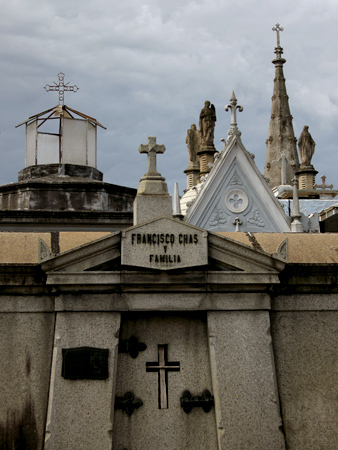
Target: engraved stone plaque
{"x": 85, "y": 363}
{"x": 164, "y": 244}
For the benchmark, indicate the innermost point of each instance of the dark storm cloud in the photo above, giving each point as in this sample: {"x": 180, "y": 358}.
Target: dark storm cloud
{"x": 146, "y": 68}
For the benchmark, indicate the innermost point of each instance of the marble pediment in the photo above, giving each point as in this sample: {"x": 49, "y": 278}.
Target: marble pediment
{"x": 236, "y": 197}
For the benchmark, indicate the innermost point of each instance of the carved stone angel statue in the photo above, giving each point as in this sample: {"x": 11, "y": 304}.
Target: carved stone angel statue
{"x": 306, "y": 146}
{"x": 207, "y": 124}
{"x": 193, "y": 141}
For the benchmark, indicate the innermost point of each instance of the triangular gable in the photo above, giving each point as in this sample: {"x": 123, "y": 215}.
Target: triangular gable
{"x": 87, "y": 256}
{"x": 236, "y": 189}
{"x": 196, "y": 247}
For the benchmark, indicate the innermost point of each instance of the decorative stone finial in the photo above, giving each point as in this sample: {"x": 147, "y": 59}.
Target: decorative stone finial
{"x": 233, "y": 107}
{"x": 177, "y": 206}
{"x": 278, "y": 49}
{"x": 296, "y": 225}
{"x": 278, "y": 28}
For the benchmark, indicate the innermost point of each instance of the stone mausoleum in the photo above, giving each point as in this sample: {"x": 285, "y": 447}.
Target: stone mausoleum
{"x": 129, "y": 321}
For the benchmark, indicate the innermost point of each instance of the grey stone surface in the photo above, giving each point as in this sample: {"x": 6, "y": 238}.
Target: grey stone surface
{"x": 150, "y": 427}
{"x": 320, "y": 302}
{"x": 80, "y": 412}
{"x": 306, "y": 360}
{"x": 65, "y": 193}
{"x": 26, "y": 344}
{"x": 247, "y": 410}
{"x": 58, "y": 170}
{"x": 37, "y": 220}
{"x": 29, "y": 303}
{"x": 85, "y": 302}
{"x": 147, "y": 207}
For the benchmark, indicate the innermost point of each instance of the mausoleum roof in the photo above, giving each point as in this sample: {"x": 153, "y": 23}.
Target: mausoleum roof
{"x": 57, "y": 110}
{"x": 311, "y": 248}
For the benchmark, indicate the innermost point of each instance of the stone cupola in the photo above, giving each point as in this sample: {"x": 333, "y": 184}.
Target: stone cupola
{"x": 281, "y": 154}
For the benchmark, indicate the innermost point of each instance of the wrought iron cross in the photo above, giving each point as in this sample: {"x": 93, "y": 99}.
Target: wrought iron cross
{"x": 163, "y": 366}
{"x": 278, "y": 28}
{"x": 61, "y": 87}
{"x": 151, "y": 149}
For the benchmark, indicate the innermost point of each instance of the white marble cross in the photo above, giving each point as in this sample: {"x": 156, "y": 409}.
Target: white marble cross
{"x": 151, "y": 149}
{"x": 237, "y": 222}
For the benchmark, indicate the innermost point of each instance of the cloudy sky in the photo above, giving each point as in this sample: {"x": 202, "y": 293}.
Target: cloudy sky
{"x": 145, "y": 67}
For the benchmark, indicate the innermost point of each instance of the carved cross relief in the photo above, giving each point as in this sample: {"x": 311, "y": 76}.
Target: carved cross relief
{"x": 163, "y": 366}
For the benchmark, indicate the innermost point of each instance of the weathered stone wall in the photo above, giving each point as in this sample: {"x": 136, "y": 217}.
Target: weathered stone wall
{"x": 305, "y": 347}
{"x": 265, "y": 382}
{"x": 248, "y": 416}
{"x": 26, "y": 343}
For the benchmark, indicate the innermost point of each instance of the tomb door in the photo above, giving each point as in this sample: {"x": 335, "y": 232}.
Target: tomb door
{"x": 161, "y": 357}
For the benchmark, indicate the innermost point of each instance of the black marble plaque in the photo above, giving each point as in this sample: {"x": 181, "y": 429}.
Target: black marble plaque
{"x": 85, "y": 363}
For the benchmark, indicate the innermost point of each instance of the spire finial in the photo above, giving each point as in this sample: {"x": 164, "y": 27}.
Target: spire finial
{"x": 233, "y": 107}
{"x": 296, "y": 224}
{"x": 176, "y": 204}
{"x": 277, "y": 28}
{"x": 278, "y": 49}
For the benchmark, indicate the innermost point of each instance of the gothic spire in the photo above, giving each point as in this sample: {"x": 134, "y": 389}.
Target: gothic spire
{"x": 281, "y": 152}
